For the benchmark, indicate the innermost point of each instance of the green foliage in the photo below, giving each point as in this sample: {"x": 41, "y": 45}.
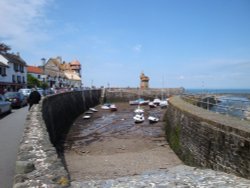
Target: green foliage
{"x": 32, "y": 81}
{"x": 175, "y": 138}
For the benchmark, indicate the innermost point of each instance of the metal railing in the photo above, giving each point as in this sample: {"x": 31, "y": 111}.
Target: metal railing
{"x": 219, "y": 104}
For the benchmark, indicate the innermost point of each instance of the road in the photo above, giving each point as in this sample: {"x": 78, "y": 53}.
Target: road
{"x": 11, "y": 130}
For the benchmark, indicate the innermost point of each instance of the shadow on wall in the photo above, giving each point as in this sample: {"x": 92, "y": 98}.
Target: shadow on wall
{"x": 60, "y": 111}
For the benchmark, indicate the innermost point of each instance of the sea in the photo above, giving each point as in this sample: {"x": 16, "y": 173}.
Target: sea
{"x": 233, "y": 102}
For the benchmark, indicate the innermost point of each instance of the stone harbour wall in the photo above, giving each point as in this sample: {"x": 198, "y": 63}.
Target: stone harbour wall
{"x": 206, "y": 139}
{"x": 127, "y": 94}
{"x": 40, "y": 157}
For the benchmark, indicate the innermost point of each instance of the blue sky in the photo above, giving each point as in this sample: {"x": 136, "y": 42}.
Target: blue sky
{"x": 188, "y": 43}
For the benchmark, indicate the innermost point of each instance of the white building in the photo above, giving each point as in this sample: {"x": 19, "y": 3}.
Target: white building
{"x": 13, "y": 72}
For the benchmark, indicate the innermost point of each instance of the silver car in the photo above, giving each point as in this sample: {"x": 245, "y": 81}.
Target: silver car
{"x": 5, "y": 106}
{"x": 26, "y": 92}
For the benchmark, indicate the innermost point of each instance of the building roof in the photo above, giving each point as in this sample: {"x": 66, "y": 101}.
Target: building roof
{"x": 75, "y": 62}
{"x": 72, "y": 76}
{"x": 33, "y": 69}
{"x": 14, "y": 58}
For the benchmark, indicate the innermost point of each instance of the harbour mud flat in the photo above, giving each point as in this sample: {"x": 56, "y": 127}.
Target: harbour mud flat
{"x": 110, "y": 145}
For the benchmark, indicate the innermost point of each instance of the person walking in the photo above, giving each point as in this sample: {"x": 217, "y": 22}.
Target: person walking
{"x": 34, "y": 98}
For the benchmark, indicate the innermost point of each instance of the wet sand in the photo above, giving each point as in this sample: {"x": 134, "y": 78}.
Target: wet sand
{"x": 111, "y": 145}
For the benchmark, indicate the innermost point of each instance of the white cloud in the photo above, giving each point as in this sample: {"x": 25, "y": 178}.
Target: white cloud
{"x": 137, "y": 48}
{"x": 22, "y": 22}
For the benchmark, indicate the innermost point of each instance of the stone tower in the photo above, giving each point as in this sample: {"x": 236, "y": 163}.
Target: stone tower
{"x": 144, "y": 81}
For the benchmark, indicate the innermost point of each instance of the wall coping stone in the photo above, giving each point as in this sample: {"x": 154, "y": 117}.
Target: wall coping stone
{"x": 227, "y": 123}
{"x": 38, "y": 164}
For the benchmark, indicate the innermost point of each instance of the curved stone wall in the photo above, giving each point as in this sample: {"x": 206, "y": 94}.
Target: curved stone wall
{"x": 40, "y": 159}
{"x": 206, "y": 139}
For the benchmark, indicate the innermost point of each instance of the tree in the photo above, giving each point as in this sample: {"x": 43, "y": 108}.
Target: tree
{"x": 32, "y": 81}
{"x": 4, "y": 48}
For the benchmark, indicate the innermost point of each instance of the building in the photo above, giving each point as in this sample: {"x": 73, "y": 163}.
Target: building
{"x": 13, "y": 72}
{"x": 61, "y": 74}
{"x": 37, "y": 72}
{"x": 144, "y": 81}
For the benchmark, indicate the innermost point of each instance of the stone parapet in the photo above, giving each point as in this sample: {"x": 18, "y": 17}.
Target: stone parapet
{"x": 206, "y": 139}
{"x": 40, "y": 160}
{"x": 127, "y": 94}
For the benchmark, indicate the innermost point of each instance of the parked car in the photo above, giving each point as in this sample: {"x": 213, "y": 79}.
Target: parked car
{"x": 41, "y": 91}
{"x": 5, "y": 106}
{"x": 17, "y": 99}
{"x": 25, "y": 91}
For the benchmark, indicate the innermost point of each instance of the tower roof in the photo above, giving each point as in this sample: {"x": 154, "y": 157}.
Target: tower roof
{"x": 75, "y": 62}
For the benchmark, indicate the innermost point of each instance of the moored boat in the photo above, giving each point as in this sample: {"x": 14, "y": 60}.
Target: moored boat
{"x": 153, "y": 119}
{"x": 93, "y": 110}
{"x": 157, "y": 101}
{"x": 105, "y": 106}
{"x": 113, "y": 107}
{"x": 139, "y": 110}
{"x": 86, "y": 117}
{"x": 138, "y": 118}
{"x": 152, "y": 105}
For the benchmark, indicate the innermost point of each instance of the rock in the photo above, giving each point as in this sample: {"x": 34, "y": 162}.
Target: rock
{"x": 23, "y": 167}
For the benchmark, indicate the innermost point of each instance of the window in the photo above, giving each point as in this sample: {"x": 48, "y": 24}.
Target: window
{"x": 19, "y": 79}
{"x": 2, "y": 71}
{"x": 16, "y": 67}
{"x": 21, "y": 69}
{"x": 23, "y": 79}
{"x": 13, "y": 78}
{"x": 38, "y": 76}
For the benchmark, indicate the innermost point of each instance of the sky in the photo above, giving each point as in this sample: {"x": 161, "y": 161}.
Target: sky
{"x": 177, "y": 43}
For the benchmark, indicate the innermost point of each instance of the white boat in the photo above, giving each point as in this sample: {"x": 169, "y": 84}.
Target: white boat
{"x": 93, "y": 110}
{"x": 86, "y": 117}
{"x": 144, "y": 102}
{"x": 152, "y": 105}
{"x": 163, "y": 103}
{"x": 89, "y": 112}
{"x": 139, "y": 118}
{"x": 139, "y": 110}
{"x": 113, "y": 107}
{"x": 134, "y": 102}
{"x": 153, "y": 119}
{"x": 157, "y": 101}
{"x": 139, "y": 102}
{"x": 105, "y": 106}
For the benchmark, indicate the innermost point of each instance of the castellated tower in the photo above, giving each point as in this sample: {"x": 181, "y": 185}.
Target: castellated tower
{"x": 144, "y": 81}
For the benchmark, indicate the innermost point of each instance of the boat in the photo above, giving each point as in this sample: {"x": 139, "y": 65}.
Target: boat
{"x": 152, "y": 105}
{"x": 139, "y": 101}
{"x": 163, "y": 103}
{"x": 144, "y": 102}
{"x": 153, "y": 119}
{"x": 89, "y": 112}
{"x": 139, "y": 110}
{"x": 105, "y": 106}
{"x": 86, "y": 117}
{"x": 138, "y": 118}
{"x": 113, "y": 107}
{"x": 157, "y": 101}
{"x": 134, "y": 102}
{"x": 93, "y": 109}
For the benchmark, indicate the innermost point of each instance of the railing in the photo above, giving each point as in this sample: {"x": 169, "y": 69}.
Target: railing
{"x": 222, "y": 105}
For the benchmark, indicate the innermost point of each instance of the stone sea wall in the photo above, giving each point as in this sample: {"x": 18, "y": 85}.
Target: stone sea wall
{"x": 40, "y": 158}
{"x": 206, "y": 139}
{"x": 127, "y": 94}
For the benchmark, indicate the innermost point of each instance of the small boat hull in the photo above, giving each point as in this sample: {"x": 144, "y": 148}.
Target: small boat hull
{"x": 138, "y": 118}
{"x": 153, "y": 119}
